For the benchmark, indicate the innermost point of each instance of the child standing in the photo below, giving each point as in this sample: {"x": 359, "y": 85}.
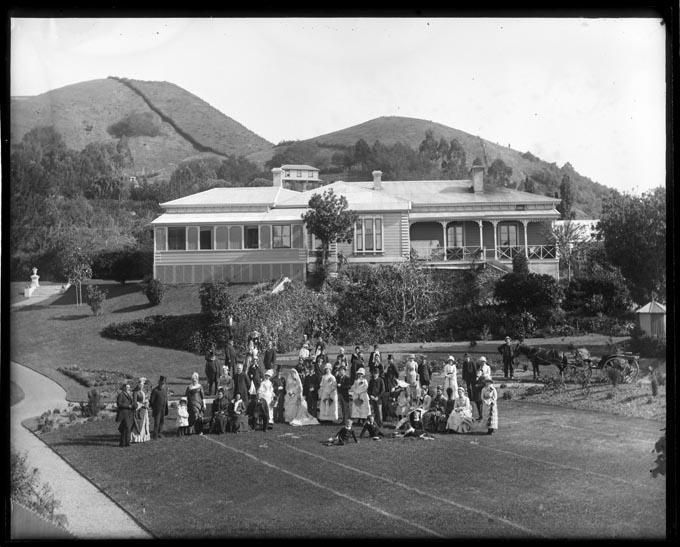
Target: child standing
{"x": 182, "y": 418}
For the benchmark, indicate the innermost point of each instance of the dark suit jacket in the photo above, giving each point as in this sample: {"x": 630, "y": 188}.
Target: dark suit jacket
{"x": 255, "y": 375}
{"x": 269, "y": 359}
{"x": 424, "y": 373}
{"x": 158, "y": 401}
{"x": 376, "y": 387}
{"x": 344, "y": 385}
{"x": 230, "y": 359}
{"x": 125, "y": 405}
{"x": 311, "y": 381}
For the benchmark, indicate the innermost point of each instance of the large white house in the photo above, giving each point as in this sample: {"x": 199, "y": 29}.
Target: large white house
{"x": 257, "y": 234}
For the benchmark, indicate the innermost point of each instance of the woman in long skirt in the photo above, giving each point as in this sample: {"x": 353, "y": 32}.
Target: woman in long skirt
{"x": 360, "y": 403}
{"x": 460, "y": 419}
{"x": 451, "y": 376}
{"x": 490, "y": 406}
{"x": 195, "y": 404}
{"x": 266, "y": 393}
{"x": 140, "y": 420}
{"x": 328, "y": 396}
{"x": 295, "y": 409}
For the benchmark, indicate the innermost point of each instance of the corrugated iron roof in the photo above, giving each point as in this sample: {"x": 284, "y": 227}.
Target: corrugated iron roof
{"x": 295, "y": 166}
{"x": 360, "y": 197}
{"x": 265, "y": 195}
{"x": 273, "y": 215}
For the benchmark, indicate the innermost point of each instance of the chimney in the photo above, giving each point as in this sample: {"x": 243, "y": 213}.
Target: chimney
{"x": 377, "y": 182}
{"x": 277, "y": 175}
{"x": 477, "y": 176}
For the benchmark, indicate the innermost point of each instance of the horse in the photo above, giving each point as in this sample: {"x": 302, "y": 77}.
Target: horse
{"x": 541, "y": 356}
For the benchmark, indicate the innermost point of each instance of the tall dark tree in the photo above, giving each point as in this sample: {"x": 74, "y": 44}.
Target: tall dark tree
{"x": 529, "y": 185}
{"x": 456, "y": 165}
{"x": 429, "y": 147}
{"x": 499, "y": 173}
{"x": 566, "y": 199}
{"x": 634, "y": 232}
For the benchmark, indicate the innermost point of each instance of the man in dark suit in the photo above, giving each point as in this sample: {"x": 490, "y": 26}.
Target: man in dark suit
{"x": 241, "y": 383}
{"x": 158, "y": 401}
{"x": 508, "y": 355}
{"x": 310, "y": 390}
{"x": 344, "y": 385}
{"x": 376, "y": 389}
{"x": 269, "y": 360}
{"x": 211, "y": 371}
{"x": 424, "y": 372}
{"x": 124, "y": 414}
{"x": 279, "y": 383}
{"x": 230, "y": 357}
{"x": 469, "y": 373}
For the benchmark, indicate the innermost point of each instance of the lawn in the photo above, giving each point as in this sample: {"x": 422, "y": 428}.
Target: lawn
{"x": 548, "y": 472}
{"x": 16, "y": 394}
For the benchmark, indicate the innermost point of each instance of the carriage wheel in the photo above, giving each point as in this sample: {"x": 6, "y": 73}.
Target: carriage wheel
{"x": 629, "y": 368}
{"x": 632, "y": 369}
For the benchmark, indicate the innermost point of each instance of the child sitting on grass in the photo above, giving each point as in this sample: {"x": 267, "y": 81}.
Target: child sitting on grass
{"x": 182, "y": 418}
{"x": 343, "y": 436}
{"x": 371, "y": 428}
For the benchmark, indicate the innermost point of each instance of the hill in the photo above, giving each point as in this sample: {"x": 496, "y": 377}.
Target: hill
{"x": 389, "y": 130}
{"x": 182, "y": 124}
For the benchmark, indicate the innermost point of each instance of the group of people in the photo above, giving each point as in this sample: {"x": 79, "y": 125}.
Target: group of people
{"x": 317, "y": 390}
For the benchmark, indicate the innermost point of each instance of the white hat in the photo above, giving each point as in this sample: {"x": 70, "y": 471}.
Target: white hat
{"x": 183, "y": 399}
{"x": 483, "y": 359}
{"x": 269, "y": 372}
{"x": 451, "y": 358}
{"x": 327, "y": 366}
{"x": 361, "y": 371}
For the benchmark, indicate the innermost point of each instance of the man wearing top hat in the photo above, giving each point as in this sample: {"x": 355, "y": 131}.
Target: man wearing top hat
{"x": 124, "y": 414}
{"x": 158, "y": 402}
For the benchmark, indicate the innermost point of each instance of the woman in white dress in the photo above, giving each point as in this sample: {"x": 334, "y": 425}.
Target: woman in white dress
{"x": 295, "y": 407}
{"x": 411, "y": 377}
{"x": 490, "y": 406}
{"x": 360, "y": 404}
{"x": 266, "y": 392}
{"x": 451, "y": 376}
{"x": 460, "y": 419}
{"x": 484, "y": 367}
{"x": 328, "y": 396}
{"x": 140, "y": 420}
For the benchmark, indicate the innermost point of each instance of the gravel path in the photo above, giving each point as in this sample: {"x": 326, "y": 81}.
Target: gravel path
{"x": 90, "y": 513}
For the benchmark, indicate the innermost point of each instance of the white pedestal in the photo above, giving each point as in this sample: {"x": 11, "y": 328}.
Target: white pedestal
{"x": 34, "y": 281}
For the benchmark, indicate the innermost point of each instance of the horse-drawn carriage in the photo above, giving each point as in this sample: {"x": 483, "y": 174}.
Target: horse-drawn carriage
{"x": 577, "y": 362}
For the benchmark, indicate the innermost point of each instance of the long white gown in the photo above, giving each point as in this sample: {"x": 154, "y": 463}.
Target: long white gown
{"x": 460, "y": 415}
{"x": 295, "y": 406}
{"x": 451, "y": 379}
{"x": 266, "y": 392}
{"x": 328, "y": 398}
{"x": 140, "y": 429}
{"x": 360, "y": 404}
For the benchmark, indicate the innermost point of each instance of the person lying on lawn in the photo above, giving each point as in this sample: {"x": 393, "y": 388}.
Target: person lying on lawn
{"x": 343, "y": 436}
{"x": 372, "y": 429}
{"x": 412, "y": 426}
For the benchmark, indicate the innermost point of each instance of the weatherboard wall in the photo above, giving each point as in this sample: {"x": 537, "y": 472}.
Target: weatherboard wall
{"x": 237, "y": 266}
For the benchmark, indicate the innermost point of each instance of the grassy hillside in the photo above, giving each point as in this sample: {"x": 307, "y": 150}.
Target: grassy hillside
{"x": 82, "y": 113}
{"x": 204, "y": 123}
{"x": 411, "y": 131}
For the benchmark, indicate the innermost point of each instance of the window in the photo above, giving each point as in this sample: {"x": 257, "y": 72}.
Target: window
{"x": 297, "y": 236}
{"x": 192, "y": 238}
{"x": 281, "y": 237}
{"x": 299, "y": 174}
{"x": 287, "y": 174}
{"x": 235, "y": 237}
{"x": 455, "y": 236}
{"x": 368, "y": 235}
{"x": 251, "y": 237}
{"x": 221, "y": 237}
{"x": 508, "y": 235}
{"x": 160, "y": 239}
{"x": 177, "y": 238}
{"x": 205, "y": 238}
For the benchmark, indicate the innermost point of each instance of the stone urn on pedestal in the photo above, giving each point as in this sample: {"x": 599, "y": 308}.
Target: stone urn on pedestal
{"x": 28, "y": 291}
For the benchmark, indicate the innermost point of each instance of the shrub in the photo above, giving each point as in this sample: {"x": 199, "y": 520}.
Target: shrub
{"x": 535, "y": 293}
{"x": 122, "y": 265}
{"x": 96, "y": 298}
{"x": 507, "y": 395}
{"x": 168, "y": 331}
{"x": 599, "y": 290}
{"x": 217, "y": 301}
{"x": 25, "y": 488}
{"x": 136, "y": 124}
{"x": 154, "y": 291}
{"x": 645, "y": 345}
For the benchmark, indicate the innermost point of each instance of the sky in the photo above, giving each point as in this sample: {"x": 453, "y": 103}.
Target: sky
{"x": 590, "y": 92}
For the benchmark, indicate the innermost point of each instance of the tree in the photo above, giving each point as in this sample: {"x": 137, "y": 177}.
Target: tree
{"x": 429, "y": 147}
{"x": 77, "y": 269}
{"x": 520, "y": 264}
{"x": 601, "y": 289}
{"x": 499, "y": 173}
{"x": 329, "y": 220}
{"x": 568, "y": 238}
{"x": 566, "y": 199}
{"x": 456, "y": 164}
{"x": 634, "y": 233}
{"x": 538, "y": 294}
{"x": 529, "y": 185}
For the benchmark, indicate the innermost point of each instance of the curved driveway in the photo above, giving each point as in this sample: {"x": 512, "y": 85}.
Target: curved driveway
{"x": 90, "y": 513}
